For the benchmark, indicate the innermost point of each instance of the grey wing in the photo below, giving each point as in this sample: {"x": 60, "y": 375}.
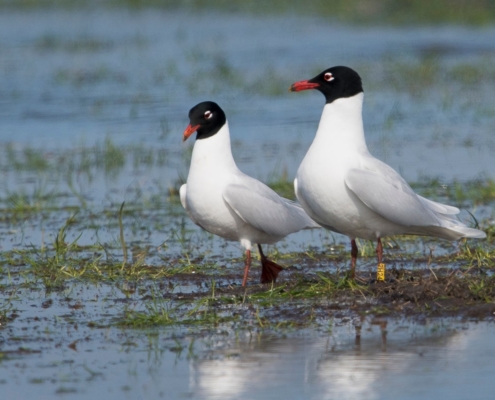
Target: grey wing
{"x": 259, "y": 206}
{"x": 439, "y": 207}
{"x": 296, "y": 207}
{"x": 182, "y": 193}
{"x": 388, "y": 194}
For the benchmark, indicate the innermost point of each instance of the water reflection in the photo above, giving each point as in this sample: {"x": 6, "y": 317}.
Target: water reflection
{"x": 378, "y": 361}
{"x": 70, "y": 79}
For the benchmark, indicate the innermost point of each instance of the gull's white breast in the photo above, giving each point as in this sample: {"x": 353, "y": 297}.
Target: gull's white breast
{"x": 321, "y": 189}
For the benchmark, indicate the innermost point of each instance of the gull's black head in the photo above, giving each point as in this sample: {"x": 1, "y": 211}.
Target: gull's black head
{"x": 335, "y": 83}
{"x": 206, "y": 118}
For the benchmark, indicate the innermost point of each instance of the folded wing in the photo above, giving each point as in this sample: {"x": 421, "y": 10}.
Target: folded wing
{"x": 259, "y": 206}
{"x": 393, "y": 199}
{"x": 385, "y": 192}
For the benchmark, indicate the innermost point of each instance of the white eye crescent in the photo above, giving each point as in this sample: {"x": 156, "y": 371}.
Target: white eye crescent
{"x": 328, "y": 77}
{"x": 208, "y": 114}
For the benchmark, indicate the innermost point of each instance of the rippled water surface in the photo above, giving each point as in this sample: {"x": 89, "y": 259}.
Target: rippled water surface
{"x": 93, "y": 104}
{"x": 399, "y": 359}
{"x": 77, "y": 77}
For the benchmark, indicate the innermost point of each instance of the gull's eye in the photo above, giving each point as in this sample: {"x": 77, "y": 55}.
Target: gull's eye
{"x": 208, "y": 114}
{"x": 328, "y": 77}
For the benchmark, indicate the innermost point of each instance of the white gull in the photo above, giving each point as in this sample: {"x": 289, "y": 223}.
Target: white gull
{"x": 222, "y": 200}
{"x": 347, "y": 190}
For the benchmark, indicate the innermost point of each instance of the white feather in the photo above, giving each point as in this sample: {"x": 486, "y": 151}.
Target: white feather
{"x": 344, "y": 188}
{"x": 223, "y": 200}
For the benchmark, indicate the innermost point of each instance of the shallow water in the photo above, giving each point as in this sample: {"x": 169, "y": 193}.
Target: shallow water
{"x": 80, "y": 76}
{"x": 69, "y": 80}
{"x": 75, "y": 79}
{"x": 390, "y": 359}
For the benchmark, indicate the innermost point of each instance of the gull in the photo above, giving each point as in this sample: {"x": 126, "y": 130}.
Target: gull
{"x": 222, "y": 200}
{"x": 347, "y": 190}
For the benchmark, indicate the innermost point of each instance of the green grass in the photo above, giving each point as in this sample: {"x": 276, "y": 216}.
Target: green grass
{"x": 209, "y": 309}
{"x": 425, "y": 74}
{"x": 21, "y": 202}
{"x": 153, "y": 277}
{"x": 105, "y": 157}
{"x": 474, "y": 12}
{"x": 429, "y": 74}
{"x": 272, "y": 308}
{"x": 282, "y": 186}
{"x": 63, "y": 265}
{"x": 50, "y": 42}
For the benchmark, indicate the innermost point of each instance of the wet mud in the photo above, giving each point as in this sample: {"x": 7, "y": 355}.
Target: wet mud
{"x": 301, "y": 298}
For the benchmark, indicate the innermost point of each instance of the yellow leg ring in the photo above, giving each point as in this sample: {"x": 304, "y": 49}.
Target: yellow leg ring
{"x": 380, "y": 272}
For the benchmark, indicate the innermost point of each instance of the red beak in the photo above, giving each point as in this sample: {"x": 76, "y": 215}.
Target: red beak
{"x": 189, "y": 131}
{"x": 303, "y": 85}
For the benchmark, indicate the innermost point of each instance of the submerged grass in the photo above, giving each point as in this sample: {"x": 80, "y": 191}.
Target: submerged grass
{"x": 189, "y": 285}
{"x": 104, "y": 157}
{"x": 475, "y": 192}
{"x": 50, "y": 42}
{"x": 428, "y": 72}
{"x": 111, "y": 160}
{"x": 212, "y": 299}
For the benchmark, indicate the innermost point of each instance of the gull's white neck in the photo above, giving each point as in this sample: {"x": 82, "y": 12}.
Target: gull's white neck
{"x": 213, "y": 152}
{"x": 341, "y": 124}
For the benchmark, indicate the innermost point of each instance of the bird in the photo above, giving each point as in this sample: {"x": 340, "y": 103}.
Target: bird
{"x": 347, "y": 190}
{"x": 222, "y": 200}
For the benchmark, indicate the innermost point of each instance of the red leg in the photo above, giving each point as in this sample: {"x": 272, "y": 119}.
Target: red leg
{"x": 379, "y": 250}
{"x": 247, "y": 265}
{"x": 269, "y": 269}
{"x": 354, "y": 254}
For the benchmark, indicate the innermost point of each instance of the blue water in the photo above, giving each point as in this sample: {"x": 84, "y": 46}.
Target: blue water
{"x": 403, "y": 358}
{"x": 74, "y": 78}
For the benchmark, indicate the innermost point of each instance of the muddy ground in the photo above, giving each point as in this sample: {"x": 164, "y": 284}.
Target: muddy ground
{"x": 302, "y": 297}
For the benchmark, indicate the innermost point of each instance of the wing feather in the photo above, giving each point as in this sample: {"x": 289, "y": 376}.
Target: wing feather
{"x": 259, "y": 206}
{"x": 391, "y": 197}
